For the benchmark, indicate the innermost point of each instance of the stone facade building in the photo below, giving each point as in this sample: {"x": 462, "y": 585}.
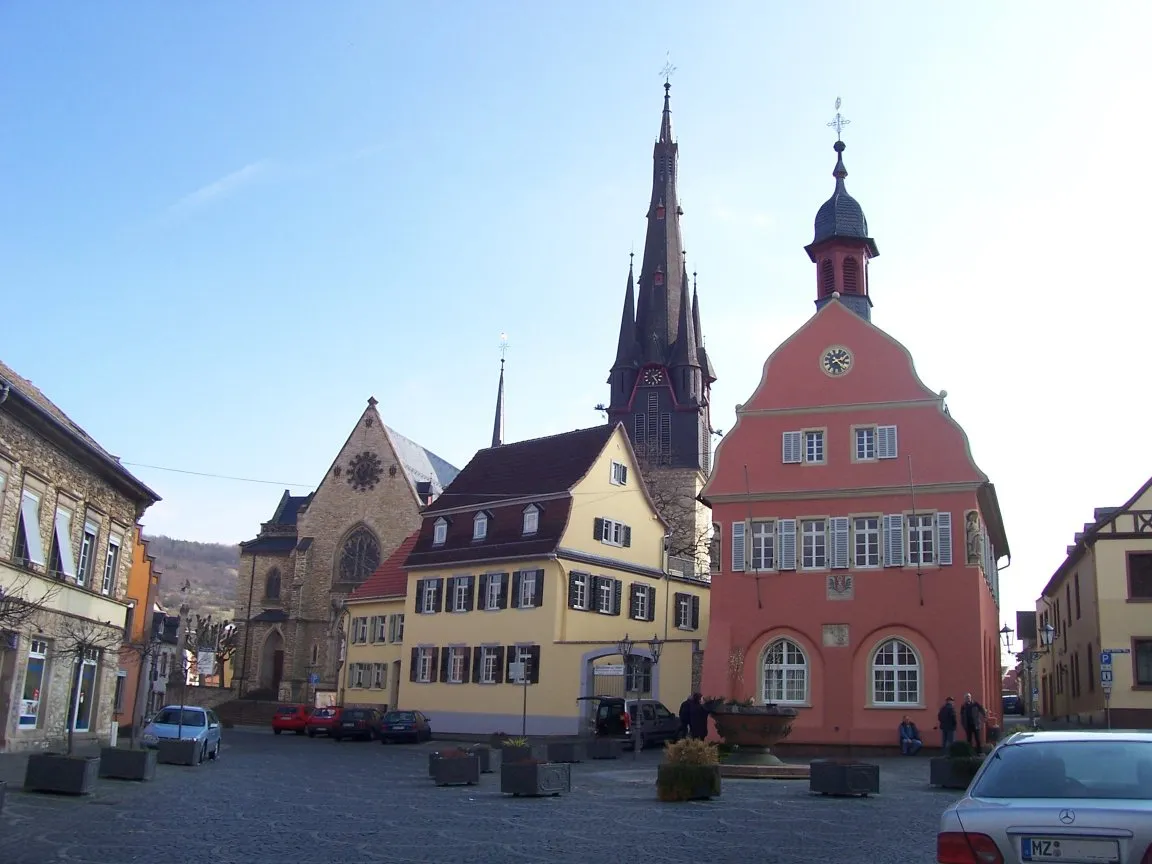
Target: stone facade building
{"x": 317, "y": 548}
{"x": 68, "y": 511}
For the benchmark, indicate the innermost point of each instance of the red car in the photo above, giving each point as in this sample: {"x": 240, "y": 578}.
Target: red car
{"x": 290, "y": 718}
{"x": 322, "y": 720}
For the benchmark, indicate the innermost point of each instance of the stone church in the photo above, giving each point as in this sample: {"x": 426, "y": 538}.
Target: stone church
{"x": 317, "y": 548}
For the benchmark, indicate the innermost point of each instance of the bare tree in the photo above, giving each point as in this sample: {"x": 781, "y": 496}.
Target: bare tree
{"x": 689, "y": 543}
{"x": 146, "y": 651}
{"x": 220, "y": 638}
{"x": 80, "y": 639}
{"x": 23, "y": 600}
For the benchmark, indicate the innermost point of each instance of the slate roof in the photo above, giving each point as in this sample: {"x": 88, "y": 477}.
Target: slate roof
{"x": 271, "y": 616}
{"x": 390, "y": 578}
{"x": 288, "y": 510}
{"x": 274, "y": 545}
{"x": 841, "y": 215}
{"x": 505, "y": 540}
{"x": 421, "y": 464}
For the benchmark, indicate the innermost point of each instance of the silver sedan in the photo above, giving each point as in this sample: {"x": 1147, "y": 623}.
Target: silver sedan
{"x": 1067, "y": 797}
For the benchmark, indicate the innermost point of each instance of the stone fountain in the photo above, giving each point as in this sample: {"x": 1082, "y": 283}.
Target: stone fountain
{"x": 750, "y": 732}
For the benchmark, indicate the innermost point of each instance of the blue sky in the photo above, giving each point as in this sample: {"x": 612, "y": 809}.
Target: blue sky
{"x": 270, "y": 211}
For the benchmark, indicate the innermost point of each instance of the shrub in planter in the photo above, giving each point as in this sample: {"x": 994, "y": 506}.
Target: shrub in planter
{"x": 690, "y": 771}
{"x": 456, "y": 768}
{"x": 534, "y": 778}
{"x": 515, "y": 750}
{"x": 121, "y": 763}
{"x": 956, "y": 770}
{"x": 57, "y": 772}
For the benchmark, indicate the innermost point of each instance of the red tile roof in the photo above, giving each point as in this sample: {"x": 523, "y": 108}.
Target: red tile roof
{"x": 390, "y": 578}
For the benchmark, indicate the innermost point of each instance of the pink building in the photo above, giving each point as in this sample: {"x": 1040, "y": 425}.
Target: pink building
{"x": 859, "y": 539}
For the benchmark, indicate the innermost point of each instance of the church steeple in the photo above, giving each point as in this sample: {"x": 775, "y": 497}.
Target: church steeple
{"x": 841, "y": 247}
{"x": 498, "y": 423}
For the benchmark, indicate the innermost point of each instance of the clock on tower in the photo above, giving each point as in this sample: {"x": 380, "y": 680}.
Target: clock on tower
{"x": 653, "y": 376}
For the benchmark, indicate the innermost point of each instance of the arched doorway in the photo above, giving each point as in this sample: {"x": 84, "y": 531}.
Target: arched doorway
{"x": 604, "y": 673}
{"x": 272, "y": 662}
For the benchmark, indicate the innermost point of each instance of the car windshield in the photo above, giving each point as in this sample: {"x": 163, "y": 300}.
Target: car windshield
{"x": 1104, "y": 769}
{"x": 355, "y": 715}
{"x": 324, "y": 712}
{"x": 286, "y": 709}
{"x": 171, "y": 717}
{"x": 400, "y": 717}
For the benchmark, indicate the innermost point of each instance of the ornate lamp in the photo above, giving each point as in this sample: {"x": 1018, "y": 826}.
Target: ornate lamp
{"x": 1046, "y": 634}
{"x": 625, "y": 646}
{"x": 1006, "y": 632}
{"x": 654, "y": 645}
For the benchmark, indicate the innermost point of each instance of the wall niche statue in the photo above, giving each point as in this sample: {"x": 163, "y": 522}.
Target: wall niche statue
{"x": 974, "y": 537}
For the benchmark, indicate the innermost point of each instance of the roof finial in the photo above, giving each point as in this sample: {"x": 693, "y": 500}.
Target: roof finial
{"x": 503, "y": 347}
{"x": 668, "y": 71}
{"x": 838, "y": 122}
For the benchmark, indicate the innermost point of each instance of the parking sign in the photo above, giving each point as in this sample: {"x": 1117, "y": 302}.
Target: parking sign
{"x": 1105, "y": 658}
{"x": 1105, "y": 676}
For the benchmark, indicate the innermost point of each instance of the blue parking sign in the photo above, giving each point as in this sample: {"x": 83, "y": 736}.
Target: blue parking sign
{"x": 1105, "y": 658}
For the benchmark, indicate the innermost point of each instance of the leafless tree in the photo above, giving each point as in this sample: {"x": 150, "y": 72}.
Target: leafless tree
{"x": 220, "y": 637}
{"x": 689, "y": 545}
{"x": 145, "y": 651}
{"x": 78, "y": 639}
{"x": 23, "y": 600}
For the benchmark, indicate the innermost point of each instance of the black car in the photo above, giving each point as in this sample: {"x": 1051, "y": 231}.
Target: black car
{"x": 356, "y": 723}
{"x": 1012, "y": 703}
{"x": 404, "y": 726}
{"x": 655, "y": 722}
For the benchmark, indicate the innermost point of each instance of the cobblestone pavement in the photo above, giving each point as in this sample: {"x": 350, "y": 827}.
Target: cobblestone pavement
{"x": 287, "y": 798}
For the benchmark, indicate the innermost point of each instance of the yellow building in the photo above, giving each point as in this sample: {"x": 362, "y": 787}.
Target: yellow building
{"x": 547, "y": 553}
{"x": 1100, "y": 600}
{"x": 374, "y": 635}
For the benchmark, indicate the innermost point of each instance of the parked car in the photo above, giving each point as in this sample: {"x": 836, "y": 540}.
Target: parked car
{"x": 187, "y": 723}
{"x": 404, "y": 726}
{"x": 356, "y": 723}
{"x": 290, "y": 718}
{"x": 1055, "y": 796}
{"x": 1011, "y": 703}
{"x": 322, "y": 720}
{"x": 617, "y": 718}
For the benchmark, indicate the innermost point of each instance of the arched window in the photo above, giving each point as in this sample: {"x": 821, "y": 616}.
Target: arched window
{"x": 359, "y": 557}
{"x": 827, "y": 277}
{"x": 272, "y": 584}
{"x": 895, "y": 674}
{"x": 785, "y": 673}
{"x": 851, "y": 275}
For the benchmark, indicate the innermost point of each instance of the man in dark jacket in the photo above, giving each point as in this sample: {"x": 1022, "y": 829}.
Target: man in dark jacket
{"x": 947, "y": 719}
{"x": 698, "y": 717}
{"x": 686, "y": 717}
{"x": 972, "y": 717}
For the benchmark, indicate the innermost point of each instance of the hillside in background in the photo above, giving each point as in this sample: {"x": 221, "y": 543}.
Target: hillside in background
{"x": 208, "y": 569}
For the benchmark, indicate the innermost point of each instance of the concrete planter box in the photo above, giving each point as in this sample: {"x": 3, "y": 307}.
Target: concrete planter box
{"x": 180, "y": 752}
{"x": 118, "y": 763}
{"x": 604, "y": 748}
{"x": 66, "y": 775}
{"x": 687, "y": 782}
{"x": 844, "y": 777}
{"x": 952, "y": 773}
{"x": 484, "y": 753}
{"x": 515, "y": 754}
{"x": 559, "y": 751}
{"x": 456, "y": 770}
{"x": 535, "y": 779}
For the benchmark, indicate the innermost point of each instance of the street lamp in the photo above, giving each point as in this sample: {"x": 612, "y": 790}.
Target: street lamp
{"x": 1028, "y": 658}
{"x": 627, "y": 649}
{"x": 1046, "y": 634}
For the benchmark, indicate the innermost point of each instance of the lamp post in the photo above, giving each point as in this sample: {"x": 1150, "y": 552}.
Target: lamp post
{"x": 627, "y": 650}
{"x": 1028, "y": 658}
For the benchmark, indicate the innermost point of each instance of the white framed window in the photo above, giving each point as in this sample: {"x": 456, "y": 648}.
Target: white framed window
{"x": 886, "y": 442}
{"x": 813, "y": 544}
{"x": 494, "y": 590}
{"x": 457, "y": 662}
{"x": 461, "y": 593}
{"x": 619, "y": 474}
{"x": 396, "y": 628}
{"x": 921, "y": 538}
{"x": 531, "y": 519}
{"x": 35, "y": 684}
{"x": 895, "y": 674}
{"x": 785, "y": 673}
{"x": 380, "y": 628}
{"x": 641, "y": 602}
{"x": 528, "y": 589}
{"x": 489, "y": 665}
{"x": 865, "y": 443}
{"x": 527, "y": 655}
{"x": 440, "y": 532}
{"x": 480, "y": 526}
{"x": 687, "y": 612}
{"x": 814, "y": 446}
{"x": 428, "y": 601}
{"x": 359, "y": 630}
{"x": 578, "y": 590}
{"x": 424, "y": 665}
{"x": 763, "y": 545}
{"x": 605, "y": 595}
{"x": 866, "y": 541}
{"x": 356, "y": 675}
{"x": 62, "y": 560}
{"x": 87, "y": 553}
{"x": 111, "y": 564}
{"x": 29, "y": 543}
{"x": 614, "y": 533}
{"x": 379, "y": 676}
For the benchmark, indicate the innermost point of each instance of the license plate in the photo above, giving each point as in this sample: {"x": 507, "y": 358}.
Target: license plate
{"x": 1069, "y": 850}
{"x": 349, "y": 725}
{"x": 399, "y": 728}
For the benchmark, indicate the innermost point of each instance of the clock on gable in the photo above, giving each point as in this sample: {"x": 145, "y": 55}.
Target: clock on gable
{"x": 653, "y": 376}
{"x": 364, "y": 471}
{"x": 836, "y": 361}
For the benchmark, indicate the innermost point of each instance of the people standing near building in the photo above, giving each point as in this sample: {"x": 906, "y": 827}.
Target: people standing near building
{"x": 686, "y": 717}
{"x": 947, "y": 720}
{"x": 910, "y": 742}
{"x": 972, "y": 717}
{"x": 698, "y": 717}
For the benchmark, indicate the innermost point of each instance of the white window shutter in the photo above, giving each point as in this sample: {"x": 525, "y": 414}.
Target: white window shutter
{"x": 944, "y": 538}
{"x": 793, "y": 448}
{"x": 786, "y": 529}
{"x": 894, "y": 540}
{"x": 886, "y": 442}
{"x": 839, "y": 528}
{"x": 738, "y": 546}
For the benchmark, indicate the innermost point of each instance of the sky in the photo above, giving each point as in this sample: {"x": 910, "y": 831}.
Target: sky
{"x": 224, "y": 226}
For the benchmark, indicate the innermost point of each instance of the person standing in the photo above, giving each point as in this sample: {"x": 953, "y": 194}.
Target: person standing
{"x": 947, "y": 720}
{"x": 972, "y": 717}
{"x": 698, "y": 718}
{"x": 686, "y": 717}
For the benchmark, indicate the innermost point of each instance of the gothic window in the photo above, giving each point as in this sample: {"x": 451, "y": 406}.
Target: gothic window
{"x": 827, "y": 278}
{"x": 851, "y": 275}
{"x": 272, "y": 584}
{"x": 658, "y": 278}
{"x": 359, "y": 557}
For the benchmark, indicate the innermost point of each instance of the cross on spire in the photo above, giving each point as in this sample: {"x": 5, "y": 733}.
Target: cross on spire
{"x": 503, "y": 347}
{"x": 838, "y": 122}
{"x": 669, "y": 70}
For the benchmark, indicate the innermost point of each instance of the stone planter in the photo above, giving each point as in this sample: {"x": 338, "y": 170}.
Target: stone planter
{"x": 118, "y": 763}
{"x": 515, "y": 754}
{"x": 560, "y": 751}
{"x": 484, "y": 753}
{"x": 844, "y": 777}
{"x": 675, "y": 782}
{"x": 180, "y": 752}
{"x": 456, "y": 770}
{"x": 750, "y": 731}
{"x": 951, "y": 773}
{"x": 535, "y": 779}
{"x": 603, "y": 748}
{"x": 66, "y": 775}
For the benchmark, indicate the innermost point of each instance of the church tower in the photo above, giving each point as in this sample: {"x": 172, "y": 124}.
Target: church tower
{"x": 661, "y": 380}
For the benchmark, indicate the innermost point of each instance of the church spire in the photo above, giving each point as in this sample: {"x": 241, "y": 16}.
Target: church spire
{"x": 498, "y": 423}
{"x": 626, "y": 348}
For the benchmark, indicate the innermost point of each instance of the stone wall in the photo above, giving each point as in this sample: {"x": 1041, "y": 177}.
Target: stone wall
{"x": 202, "y": 697}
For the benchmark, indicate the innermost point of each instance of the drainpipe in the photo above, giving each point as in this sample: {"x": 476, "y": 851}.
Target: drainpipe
{"x": 248, "y": 629}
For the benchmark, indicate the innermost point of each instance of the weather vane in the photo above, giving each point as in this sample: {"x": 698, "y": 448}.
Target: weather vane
{"x": 838, "y": 122}
{"x": 669, "y": 70}
{"x": 503, "y": 346}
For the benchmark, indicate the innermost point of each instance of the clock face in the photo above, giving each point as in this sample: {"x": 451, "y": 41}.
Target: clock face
{"x": 652, "y": 377}
{"x": 836, "y": 361}
{"x": 364, "y": 471}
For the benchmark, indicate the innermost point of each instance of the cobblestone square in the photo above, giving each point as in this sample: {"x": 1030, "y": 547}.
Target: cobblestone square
{"x": 287, "y": 798}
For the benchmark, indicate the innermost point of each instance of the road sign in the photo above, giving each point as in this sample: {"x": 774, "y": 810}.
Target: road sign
{"x": 517, "y": 670}
{"x": 1107, "y": 691}
{"x": 1105, "y": 676}
{"x": 1105, "y": 658}
{"x": 1119, "y": 650}
{"x": 1035, "y": 692}
{"x": 313, "y": 678}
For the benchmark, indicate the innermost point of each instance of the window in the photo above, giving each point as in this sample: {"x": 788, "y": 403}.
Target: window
{"x": 612, "y": 533}
{"x": 429, "y": 595}
{"x": 1142, "y": 662}
{"x": 462, "y": 594}
{"x": 379, "y": 676}
{"x": 1139, "y": 576}
{"x": 480, "y": 526}
{"x": 29, "y": 544}
{"x": 1076, "y": 579}
{"x": 866, "y": 534}
{"x": 529, "y": 655}
{"x": 814, "y": 544}
{"x": 457, "y": 665}
{"x": 528, "y": 588}
{"x": 494, "y": 590}
{"x": 895, "y": 674}
{"x": 359, "y": 557}
{"x": 813, "y": 446}
{"x": 118, "y": 696}
{"x": 272, "y": 584}
{"x": 87, "y": 550}
{"x": 440, "y": 532}
{"x": 638, "y": 675}
{"x": 641, "y": 602}
{"x": 423, "y": 666}
{"x": 687, "y": 612}
{"x": 763, "y": 545}
{"x": 380, "y": 628}
{"x": 1098, "y": 769}
{"x": 356, "y": 673}
{"x": 619, "y": 474}
{"x": 578, "y": 590}
{"x": 61, "y": 561}
{"x": 866, "y": 444}
{"x": 490, "y": 665}
{"x": 35, "y": 683}
{"x": 608, "y": 592}
{"x": 396, "y": 628}
{"x": 85, "y": 694}
{"x": 531, "y": 519}
{"x": 851, "y": 271}
{"x": 359, "y": 630}
{"x": 921, "y": 540}
{"x": 111, "y": 565}
{"x": 785, "y": 674}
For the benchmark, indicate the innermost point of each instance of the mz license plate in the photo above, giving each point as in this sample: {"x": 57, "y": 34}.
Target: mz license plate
{"x": 399, "y": 728}
{"x": 1069, "y": 850}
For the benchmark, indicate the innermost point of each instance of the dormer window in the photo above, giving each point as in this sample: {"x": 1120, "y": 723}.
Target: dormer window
{"x": 440, "y": 532}
{"x": 480, "y": 526}
{"x": 531, "y": 519}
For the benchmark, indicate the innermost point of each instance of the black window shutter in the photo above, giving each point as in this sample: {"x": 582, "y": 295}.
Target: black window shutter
{"x": 538, "y": 600}
{"x": 598, "y": 529}
{"x": 500, "y": 664}
{"x": 482, "y": 596}
{"x": 509, "y": 658}
{"x": 414, "y": 671}
{"x": 695, "y": 613}
{"x": 470, "y": 600}
{"x": 445, "y": 656}
{"x": 651, "y": 603}
{"x": 617, "y": 594}
{"x": 627, "y": 536}
{"x": 624, "y": 474}
{"x": 572, "y": 577}
{"x": 439, "y": 604}
{"x": 420, "y": 598}
{"x": 435, "y": 664}
{"x": 534, "y": 665}
{"x": 634, "y": 602}
{"x": 515, "y": 599}
{"x": 467, "y": 664}
{"x": 477, "y": 655}
{"x": 503, "y": 604}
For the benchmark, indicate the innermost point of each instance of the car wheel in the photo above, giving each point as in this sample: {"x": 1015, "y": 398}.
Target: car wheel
{"x": 203, "y": 752}
{"x": 215, "y": 754}
{"x": 276, "y": 731}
